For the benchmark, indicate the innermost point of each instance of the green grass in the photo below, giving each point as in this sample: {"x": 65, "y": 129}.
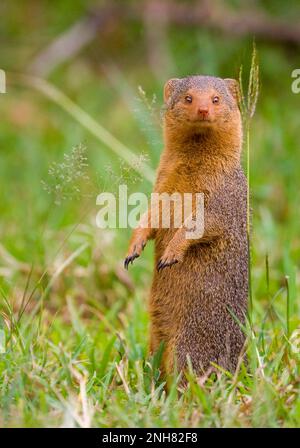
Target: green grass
{"x": 84, "y": 363}
{"x": 73, "y": 323}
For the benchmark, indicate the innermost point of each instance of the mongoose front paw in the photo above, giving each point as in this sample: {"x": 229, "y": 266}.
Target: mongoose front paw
{"x": 134, "y": 253}
{"x": 163, "y": 264}
{"x": 167, "y": 260}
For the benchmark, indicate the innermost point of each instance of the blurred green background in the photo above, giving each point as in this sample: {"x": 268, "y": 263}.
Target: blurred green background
{"x": 62, "y": 281}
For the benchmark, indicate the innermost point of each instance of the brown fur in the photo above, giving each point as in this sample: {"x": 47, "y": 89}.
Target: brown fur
{"x": 190, "y": 301}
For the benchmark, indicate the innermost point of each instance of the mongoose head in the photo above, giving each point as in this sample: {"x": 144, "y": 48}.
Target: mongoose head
{"x": 201, "y": 104}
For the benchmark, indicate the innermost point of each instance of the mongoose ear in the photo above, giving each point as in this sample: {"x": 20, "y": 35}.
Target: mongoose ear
{"x": 233, "y": 87}
{"x": 169, "y": 87}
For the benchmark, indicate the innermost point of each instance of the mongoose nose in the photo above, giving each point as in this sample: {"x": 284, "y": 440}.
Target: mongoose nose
{"x": 202, "y": 112}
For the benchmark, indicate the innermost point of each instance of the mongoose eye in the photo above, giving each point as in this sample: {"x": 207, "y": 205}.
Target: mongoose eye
{"x": 215, "y": 99}
{"x": 188, "y": 99}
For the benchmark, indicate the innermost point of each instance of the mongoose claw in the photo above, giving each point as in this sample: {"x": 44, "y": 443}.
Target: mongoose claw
{"x": 134, "y": 253}
{"x": 130, "y": 259}
{"x": 164, "y": 263}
